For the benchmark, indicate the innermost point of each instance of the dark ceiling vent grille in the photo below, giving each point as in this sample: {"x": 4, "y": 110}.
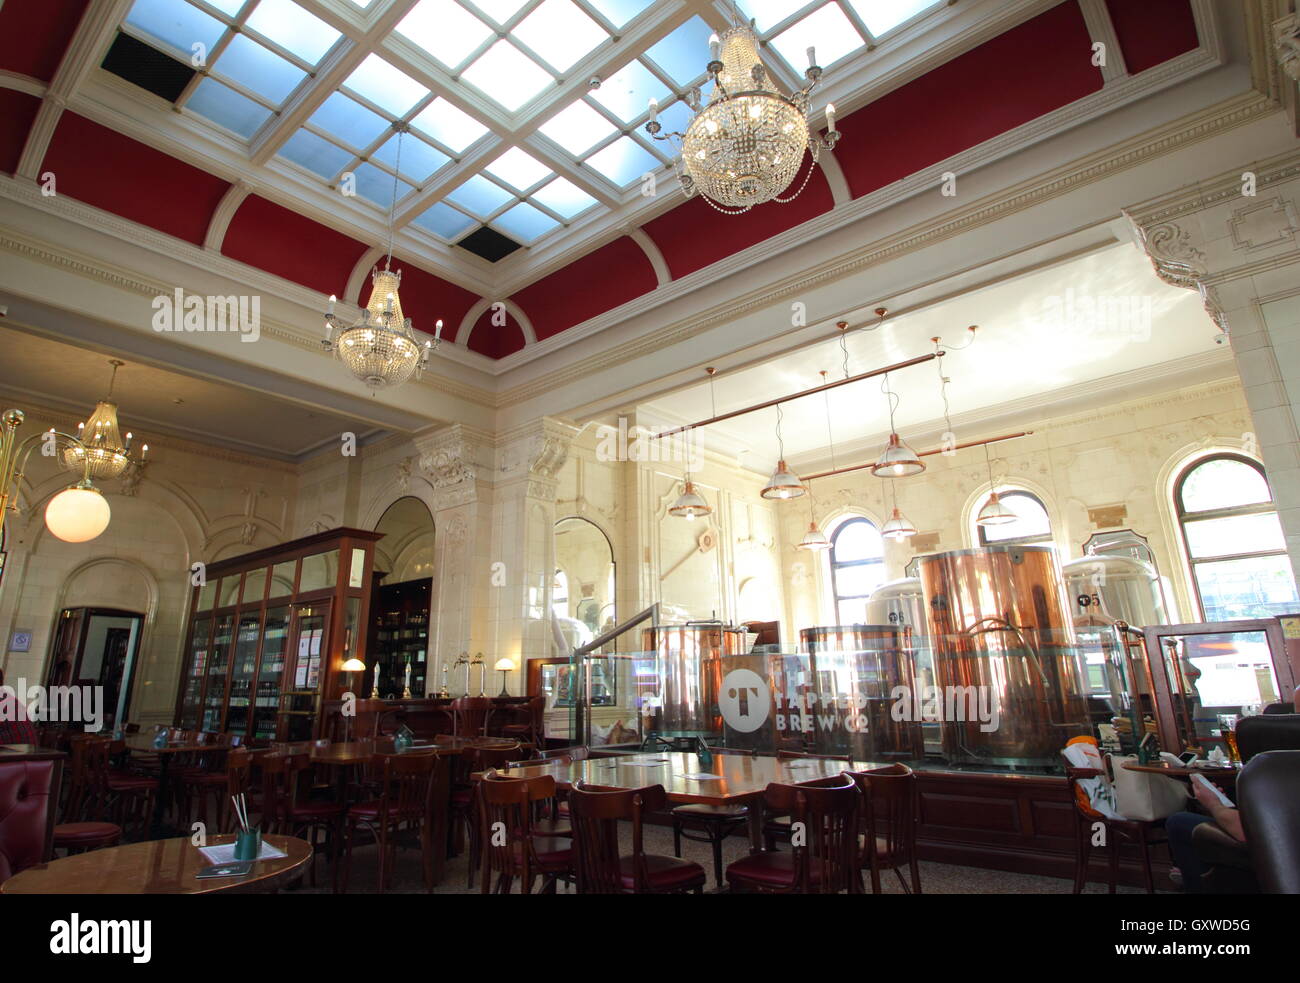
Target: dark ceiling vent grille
{"x": 489, "y": 244}
{"x": 147, "y": 67}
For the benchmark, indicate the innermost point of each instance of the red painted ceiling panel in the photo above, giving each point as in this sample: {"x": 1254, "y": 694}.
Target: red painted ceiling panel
{"x": 693, "y": 234}
{"x": 17, "y": 113}
{"x": 426, "y": 298}
{"x": 496, "y": 340}
{"x": 34, "y": 34}
{"x": 110, "y": 171}
{"x": 272, "y": 238}
{"x": 1022, "y": 74}
{"x": 598, "y": 282}
{"x": 1152, "y": 31}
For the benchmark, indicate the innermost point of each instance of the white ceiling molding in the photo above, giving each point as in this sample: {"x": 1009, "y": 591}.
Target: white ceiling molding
{"x": 652, "y": 253}
{"x": 1102, "y": 31}
{"x": 18, "y": 82}
{"x": 219, "y": 224}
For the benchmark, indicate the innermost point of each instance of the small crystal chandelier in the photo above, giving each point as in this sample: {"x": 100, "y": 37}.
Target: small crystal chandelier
{"x": 897, "y": 460}
{"x": 784, "y": 483}
{"x": 994, "y": 512}
{"x": 102, "y": 453}
{"x": 745, "y": 145}
{"x": 381, "y": 349}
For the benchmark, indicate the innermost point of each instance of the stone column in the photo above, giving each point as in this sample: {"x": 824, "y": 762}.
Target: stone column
{"x": 1234, "y": 240}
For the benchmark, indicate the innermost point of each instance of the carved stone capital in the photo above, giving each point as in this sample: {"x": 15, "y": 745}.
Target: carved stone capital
{"x": 454, "y": 458}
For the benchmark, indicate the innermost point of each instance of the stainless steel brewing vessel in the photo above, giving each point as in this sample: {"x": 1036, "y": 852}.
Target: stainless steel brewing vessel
{"x": 1106, "y": 589}
{"x": 1000, "y": 626}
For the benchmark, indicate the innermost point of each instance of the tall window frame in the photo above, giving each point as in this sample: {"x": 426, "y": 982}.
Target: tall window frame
{"x": 1185, "y": 516}
{"x": 1011, "y": 497}
{"x": 842, "y": 569}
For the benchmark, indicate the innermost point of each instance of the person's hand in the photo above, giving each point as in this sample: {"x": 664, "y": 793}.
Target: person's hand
{"x": 1206, "y": 798}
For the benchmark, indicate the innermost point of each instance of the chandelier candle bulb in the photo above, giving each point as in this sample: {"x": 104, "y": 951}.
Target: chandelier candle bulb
{"x": 654, "y": 110}
{"x": 812, "y": 57}
{"x": 830, "y": 116}
{"x": 715, "y": 47}
{"x": 437, "y": 329}
{"x": 333, "y": 301}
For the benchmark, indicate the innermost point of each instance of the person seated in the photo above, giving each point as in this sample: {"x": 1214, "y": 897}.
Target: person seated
{"x": 1180, "y": 825}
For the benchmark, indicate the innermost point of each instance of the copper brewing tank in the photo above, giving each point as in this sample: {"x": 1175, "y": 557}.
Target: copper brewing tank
{"x": 999, "y": 622}
{"x": 856, "y": 672}
{"x": 690, "y": 660}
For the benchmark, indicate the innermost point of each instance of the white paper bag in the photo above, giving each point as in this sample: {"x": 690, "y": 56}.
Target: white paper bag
{"x": 1142, "y": 795}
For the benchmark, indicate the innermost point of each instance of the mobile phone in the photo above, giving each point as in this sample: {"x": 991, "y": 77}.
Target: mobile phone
{"x": 1223, "y": 799}
{"x": 236, "y": 868}
{"x": 1187, "y": 757}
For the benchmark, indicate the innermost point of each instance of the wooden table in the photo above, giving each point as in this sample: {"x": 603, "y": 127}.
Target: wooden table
{"x": 143, "y": 743}
{"x": 742, "y": 779}
{"x": 1180, "y": 771}
{"x": 156, "y": 867}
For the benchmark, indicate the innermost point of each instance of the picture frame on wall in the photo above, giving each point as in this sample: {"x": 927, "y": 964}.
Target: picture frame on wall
{"x": 20, "y": 640}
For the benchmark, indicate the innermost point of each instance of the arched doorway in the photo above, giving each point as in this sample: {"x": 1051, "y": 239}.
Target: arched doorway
{"x": 401, "y": 608}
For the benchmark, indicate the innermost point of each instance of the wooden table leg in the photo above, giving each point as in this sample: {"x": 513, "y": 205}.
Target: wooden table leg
{"x": 756, "y": 825}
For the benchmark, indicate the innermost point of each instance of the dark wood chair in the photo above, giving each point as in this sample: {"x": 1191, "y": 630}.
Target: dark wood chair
{"x": 470, "y": 714}
{"x": 890, "y": 815}
{"x": 106, "y": 793}
{"x": 514, "y": 844}
{"x": 80, "y": 831}
{"x": 524, "y": 721}
{"x": 1143, "y": 834}
{"x": 825, "y": 859}
{"x": 464, "y": 796}
{"x": 716, "y": 823}
{"x": 286, "y": 811}
{"x": 406, "y": 800}
{"x": 776, "y": 826}
{"x": 600, "y": 865}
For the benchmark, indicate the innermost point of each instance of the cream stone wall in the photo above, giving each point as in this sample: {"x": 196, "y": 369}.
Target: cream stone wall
{"x": 194, "y": 504}
{"x": 1125, "y": 455}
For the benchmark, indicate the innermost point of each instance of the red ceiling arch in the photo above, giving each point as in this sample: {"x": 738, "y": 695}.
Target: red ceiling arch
{"x": 496, "y": 340}
{"x": 35, "y": 34}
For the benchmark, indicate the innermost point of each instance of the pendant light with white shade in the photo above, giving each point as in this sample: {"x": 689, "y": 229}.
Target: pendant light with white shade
{"x": 994, "y": 512}
{"x": 814, "y": 540}
{"x": 784, "y": 483}
{"x": 898, "y": 526}
{"x": 897, "y": 460}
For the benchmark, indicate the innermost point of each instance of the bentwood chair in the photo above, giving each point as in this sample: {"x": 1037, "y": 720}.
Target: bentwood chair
{"x": 81, "y": 830}
{"x": 106, "y": 792}
{"x": 470, "y": 715}
{"x": 599, "y": 863}
{"x": 777, "y": 826}
{"x": 716, "y": 823}
{"x": 890, "y": 815}
{"x": 464, "y": 797}
{"x": 1144, "y": 834}
{"x": 824, "y": 860}
{"x": 285, "y": 811}
{"x": 406, "y": 800}
{"x": 513, "y": 844}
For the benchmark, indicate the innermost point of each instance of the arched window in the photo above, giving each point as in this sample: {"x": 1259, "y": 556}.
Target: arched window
{"x": 857, "y": 568}
{"x": 560, "y": 595}
{"x": 1233, "y": 539}
{"x": 1031, "y": 528}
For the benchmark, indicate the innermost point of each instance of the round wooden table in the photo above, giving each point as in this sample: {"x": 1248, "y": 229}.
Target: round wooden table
{"x": 157, "y": 867}
{"x": 1180, "y": 771}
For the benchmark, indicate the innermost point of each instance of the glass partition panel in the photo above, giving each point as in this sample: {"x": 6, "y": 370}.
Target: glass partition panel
{"x": 1222, "y": 677}
{"x": 993, "y": 698}
{"x": 320, "y": 570}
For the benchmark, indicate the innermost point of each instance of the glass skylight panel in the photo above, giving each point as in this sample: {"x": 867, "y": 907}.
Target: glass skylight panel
{"x": 627, "y": 93}
{"x": 259, "y": 69}
{"x": 348, "y": 120}
{"x": 452, "y": 128}
{"x": 176, "y": 24}
{"x": 385, "y": 86}
{"x": 445, "y": 30}
{"x": 619, "y": 12}
{"x": 563, "y": 197}
{"x": 480, "y": 195}
{"x": 684, "y": 54}
{"x": 293, "y": 29}
{"x": 882, "y": 16}
{"x": 228, "y": 108}
{"x": 578, "y": 128}
{"x": 560, "y": 33}
{"x": 676, "y": 118}
{"x": 315, "y": 153}
{"x": 518, "y": 170}
{"x": 524, "y": 222}
{"x": 419, "y": 159}
{"x": 499, "y": 10}
{"x": 827, "y": 30}
{"x": 228, "y": 7}
{"x": 768, "y": 13}
{"x": 376, "y": 185}
{"x": 443, "y": 220}
{"x": 624, "y": 161}
{"x": 507, "y": 76}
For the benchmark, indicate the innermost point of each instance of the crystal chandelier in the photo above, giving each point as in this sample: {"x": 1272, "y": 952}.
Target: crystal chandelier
{"x": 746, "y": 144}
{"x": 381, "y": 349}
{"x": 101, "y": 452}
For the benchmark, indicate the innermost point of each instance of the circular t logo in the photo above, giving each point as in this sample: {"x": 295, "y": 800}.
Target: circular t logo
{"x": 744, "y": 700}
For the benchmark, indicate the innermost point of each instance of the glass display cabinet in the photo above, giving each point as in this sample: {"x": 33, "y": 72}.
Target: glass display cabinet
{"x": 269, "y": 632}
{"x": 399, "y": 637}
